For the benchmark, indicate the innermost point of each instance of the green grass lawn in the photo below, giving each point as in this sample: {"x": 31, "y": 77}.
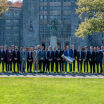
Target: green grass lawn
{"x": 51, "y": 91}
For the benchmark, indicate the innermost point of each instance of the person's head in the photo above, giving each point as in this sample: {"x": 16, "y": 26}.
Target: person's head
{"x": 86, "y": 48}
{"x": 79, "y": 48}
{"x": 95, "y": 48}
{"x": 24, "y": 48}
{"x": 72, "y": 46}
{"x": 67, "y": 47}
{"x": 5, "y": 47}
{"x": 16, "y": 47}
{"x": 91, "y": 48}
{"x": 102, "y": 47}
{"x": 50, "y": 48}
{"x": 54, "y": 48}
{"x": 98, "y": 48}
{"x": 9, "y": 49}
{"x": 46, "y": 49}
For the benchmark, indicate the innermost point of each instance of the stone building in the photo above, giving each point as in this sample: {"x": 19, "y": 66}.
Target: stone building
{"x": 30, "y": 24}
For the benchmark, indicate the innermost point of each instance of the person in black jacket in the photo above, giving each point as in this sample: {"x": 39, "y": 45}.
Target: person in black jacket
{"x": 58, "y": 59}
{"x": 29, "y": 59}
{"x": 50, "y": 57}
{"x": 92, "y": 58}
{"x": 42, "y": 59}
{"x": 80, "y": 57}
{"x": 74, "y": 56}
{"x": 99, "y": 58}
{"x": 62, "y": 60}
{"x": 16, "y": 59}
{"x": 86, "y": 58}
{"x": 3, "y": 57}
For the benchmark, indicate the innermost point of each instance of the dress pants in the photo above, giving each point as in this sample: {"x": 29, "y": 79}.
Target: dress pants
{"x": 18, "y": 66}
{"x": 79, "y": 66}
{"x": 9, "y": 66}
{"x": 42, "y": 62}
{"x": 23, "y": 65}
{"x": 74, "y": 66}
{"x": 70, "y": 67}
{"x": 35, "y": 65}
{"x": 29, "y": 65}
{"x": 52, "y": 65}
{"x": 92, "y": 66}
{"x": 85, "y": 65}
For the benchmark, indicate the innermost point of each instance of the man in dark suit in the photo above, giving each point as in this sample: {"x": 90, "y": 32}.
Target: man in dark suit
{"x": 3, "y": 57}
{"x": 74, "y": 56}
{"x": 42, "y": 57}
{"x": 50, "y": 57}
{"x": 62, "y": 60}
{"x": 99, "y": 58}
{"x": 68, "y": 53}
{"x": 86, "y": 58}
{"x": 29, "y": 59}
{"x": 58, "y": 59}
{"x": 92, "y": 59}
{"x": 46, "y": 60}
{"x": 80, "y": 57}
{"x": 9, "y": 59}
{"x": 16, "y": 59}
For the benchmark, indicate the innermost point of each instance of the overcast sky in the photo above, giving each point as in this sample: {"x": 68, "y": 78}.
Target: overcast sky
{"x": 14, "y": 0}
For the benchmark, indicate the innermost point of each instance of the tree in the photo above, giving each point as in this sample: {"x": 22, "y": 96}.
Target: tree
{"x": 93, "y": 13}
{"x": 3, "y": 6}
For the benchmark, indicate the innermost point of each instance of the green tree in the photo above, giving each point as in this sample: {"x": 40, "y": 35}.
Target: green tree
{"x": 93, "y": 11}
{"x": 3, "y": 6}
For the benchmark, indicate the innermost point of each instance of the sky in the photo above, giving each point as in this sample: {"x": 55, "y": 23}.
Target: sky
{"x": 14, "y": 0}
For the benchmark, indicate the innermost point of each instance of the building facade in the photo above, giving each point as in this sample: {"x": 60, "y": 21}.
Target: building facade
{"x": 32, "y": 24}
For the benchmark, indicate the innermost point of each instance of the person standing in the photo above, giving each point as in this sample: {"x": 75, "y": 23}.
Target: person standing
{"x": 35, "y": 59}
{"x": 68, "y": 53}
{"x": 86, "y": 58}
{"x": 99, "y": 59}
{"x": 3, "y": 56}
{"x": 92, "y": 58}
{"x": 50, "y": 57}
{"x": 102, "y": 49}
{"x": 62, "y": 60}
{"x": 80, "y": 57}
{"x": 58, "y": 59}
{"x": 30, "y": 59}
{"x": 16, "y": 59}
{"x": 9, "y": 60}
{"x": 23, "y": 59}
{"x": 42, "y": 56}
{"x": 74, "y": 56}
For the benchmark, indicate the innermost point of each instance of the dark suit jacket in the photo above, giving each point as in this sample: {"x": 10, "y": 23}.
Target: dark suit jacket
{"x": 86, "y": 55}
{"x": 80, "y": 56}
{"x": 50, "y": 56}
{"x": 9, "y": 56}
{"x": 74, "y": 53}
{"x": 68, "y": 53}
{"x": 99, "y": 57}
{"x": 30, "y": 58}
{"x": 16, "y": 56}
{"x": 42, "y": 55}
{"x": 92, "y": 57}
{"x": 3, "y": 56}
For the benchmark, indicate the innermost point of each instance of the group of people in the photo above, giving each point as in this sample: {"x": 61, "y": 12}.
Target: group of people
{"x": 41, "y": 59}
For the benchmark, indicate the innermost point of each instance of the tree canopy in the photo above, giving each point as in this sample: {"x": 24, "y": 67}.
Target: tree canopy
{"x": 93, "y": 11}
{"x": 3, "y": 6}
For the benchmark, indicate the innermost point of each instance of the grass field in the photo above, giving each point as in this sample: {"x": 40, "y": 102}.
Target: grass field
{"x": 51, "y": 91}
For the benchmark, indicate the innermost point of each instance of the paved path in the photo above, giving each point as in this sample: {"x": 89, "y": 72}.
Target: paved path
{"x": 32, "y": 75}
